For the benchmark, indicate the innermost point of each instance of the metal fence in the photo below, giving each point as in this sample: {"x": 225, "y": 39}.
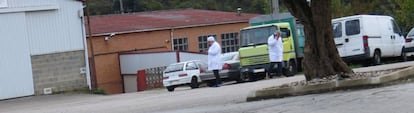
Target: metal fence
{"x": 154, "y": 77}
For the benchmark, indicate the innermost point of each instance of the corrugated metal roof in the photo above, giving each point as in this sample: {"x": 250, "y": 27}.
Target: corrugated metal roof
{"x": 157, "y": 20}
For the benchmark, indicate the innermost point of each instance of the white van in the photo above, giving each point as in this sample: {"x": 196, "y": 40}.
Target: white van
{"x": 368, "y": 37}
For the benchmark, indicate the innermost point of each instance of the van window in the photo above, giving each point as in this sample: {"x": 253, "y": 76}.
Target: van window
{"x": 352, "y": 27}
{"x": 337, "y": 29}
{"x": 395, "y": 27}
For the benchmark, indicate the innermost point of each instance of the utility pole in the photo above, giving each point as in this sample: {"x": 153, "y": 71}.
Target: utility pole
{"x": 274, "y": 6}
{"x": 121, "y": 6}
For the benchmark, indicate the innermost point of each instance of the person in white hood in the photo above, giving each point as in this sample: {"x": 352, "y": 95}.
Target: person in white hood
{"x": 214, "y": 59}
{"x": 275, "y": 46}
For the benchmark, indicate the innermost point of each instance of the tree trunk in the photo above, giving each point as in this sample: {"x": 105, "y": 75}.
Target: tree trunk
{"x": 321, "y": 58}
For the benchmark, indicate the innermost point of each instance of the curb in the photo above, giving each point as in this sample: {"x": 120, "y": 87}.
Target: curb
{"x": 330, "y": 86}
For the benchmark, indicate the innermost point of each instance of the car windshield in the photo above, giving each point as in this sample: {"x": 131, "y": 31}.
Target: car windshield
{"x": 256, "y": 36}
{"x": 411, "y": 33}
{"x": 227, "y": 57}
{"x": 174, "y": 68}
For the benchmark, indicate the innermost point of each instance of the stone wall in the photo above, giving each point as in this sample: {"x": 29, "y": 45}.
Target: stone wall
{"x": 60, "y": 71}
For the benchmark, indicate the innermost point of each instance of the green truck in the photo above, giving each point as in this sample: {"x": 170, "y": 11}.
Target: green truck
{"x": 253, "y": 52}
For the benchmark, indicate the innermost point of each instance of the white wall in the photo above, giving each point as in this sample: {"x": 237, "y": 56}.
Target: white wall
{"x": 130, "y": 83}
{"x": 15, "y": 64}
{"x": 28, "y": 5}
{"x": 55, "y": 30}
{"x": 193, "y": 56}
{"x": 131, "y": 63}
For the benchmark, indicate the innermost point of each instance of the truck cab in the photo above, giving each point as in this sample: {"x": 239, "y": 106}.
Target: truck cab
{"x": 254, "y": 53}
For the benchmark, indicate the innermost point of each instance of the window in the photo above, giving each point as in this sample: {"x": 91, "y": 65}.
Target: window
{"x": 174, "y": 68}
{"x": 337, "y": 30}
{"x": 181, "y": 44}
{"x": 230, "y": 42}
{"x": 256, "y": 36}
{"x": 202, "y": 43}
{"x": 352, "y": 27}
{"x": 395, "y": 27}
{"x": 191, "y": 66}
{"x": 411, "y": 33}
{"x": 285, "y": 32}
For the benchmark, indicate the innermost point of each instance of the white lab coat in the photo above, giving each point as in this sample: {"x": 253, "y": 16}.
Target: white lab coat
{"x": 275, "y": 49}
{"x": 214, "y": 57}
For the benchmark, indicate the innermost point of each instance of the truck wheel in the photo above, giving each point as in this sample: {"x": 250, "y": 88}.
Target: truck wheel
{"x": 291, "y": 69}
{"x": 170, "y": 88}
{"x": 377, "y": 57}
{"x": 194, "y": 83}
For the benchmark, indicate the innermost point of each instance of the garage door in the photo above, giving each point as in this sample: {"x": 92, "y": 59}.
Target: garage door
{"x": 16, "y": 78}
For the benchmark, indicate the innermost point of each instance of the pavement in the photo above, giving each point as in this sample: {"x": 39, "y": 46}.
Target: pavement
{"x": 385, "y": 79}
{"x": 390, "y": 99}
{"x": 226, "y": 99}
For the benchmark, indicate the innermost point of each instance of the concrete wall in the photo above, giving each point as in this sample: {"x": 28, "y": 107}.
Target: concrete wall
{"x": 59, "y": 71}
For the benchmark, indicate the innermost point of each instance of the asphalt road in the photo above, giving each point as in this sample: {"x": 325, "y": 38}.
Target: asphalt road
{"x": 391, "y": 99}
{"x": 227, "y": 99}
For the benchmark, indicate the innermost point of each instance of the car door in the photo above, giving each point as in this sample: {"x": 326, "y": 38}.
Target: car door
{"x": 339, "y": 39}
{"x": 354, "y": 44}
{"x": 398, "y": 39}
{"x": 192, "y": 69}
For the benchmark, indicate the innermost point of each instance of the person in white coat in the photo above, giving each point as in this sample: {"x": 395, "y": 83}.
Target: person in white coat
{"x": 214, "y": 59}
{"x": 275, "y": 46}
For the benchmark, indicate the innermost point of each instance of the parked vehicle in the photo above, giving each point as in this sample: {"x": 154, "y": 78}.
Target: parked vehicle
{"x": 254, "y": 54}
{"x": 368, "y": 37}
{"x": 409, "y": 43}
{"x": 183, "y": 73}
{"x": 230, "y": 71}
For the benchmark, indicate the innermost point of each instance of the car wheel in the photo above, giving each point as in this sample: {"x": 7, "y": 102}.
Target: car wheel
{"x": 403, "y": 56}
{"x": 291, "y": 70}
{"x": 377, "y": 57}
{"x": 244, "y": 77}
{"x": 170, "y": 88}
{"x": 194, "y": 83}
{"x": 240, "y": 78}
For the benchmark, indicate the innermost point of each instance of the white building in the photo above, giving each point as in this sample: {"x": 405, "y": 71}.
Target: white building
{"x": 42, "y": 47}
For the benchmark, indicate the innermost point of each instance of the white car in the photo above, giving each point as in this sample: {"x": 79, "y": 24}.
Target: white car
{"x": 409, "y": 43}
{"x": 368, "y": 37}
{"x": 183, "y": 73}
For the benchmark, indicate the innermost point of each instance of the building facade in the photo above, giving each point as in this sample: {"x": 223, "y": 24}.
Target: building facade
{"x": 173, "y": 30}
{"x": 42, "y": 48}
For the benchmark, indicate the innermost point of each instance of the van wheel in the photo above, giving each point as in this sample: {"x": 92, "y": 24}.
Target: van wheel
{"x": 194, "y": 83}
{"x": 170, "y": 88}
{"x": 403, "y": 56}
{"x": 291, "y": 69}
{"x": 377, "y": 57}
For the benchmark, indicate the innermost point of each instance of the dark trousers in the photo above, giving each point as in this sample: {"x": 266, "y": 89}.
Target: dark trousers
{"x": 272, "y": 70}
{"x": 218, "y": 78}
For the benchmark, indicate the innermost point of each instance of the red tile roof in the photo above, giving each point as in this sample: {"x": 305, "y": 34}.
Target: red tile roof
{"x": 158, "y": 20}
